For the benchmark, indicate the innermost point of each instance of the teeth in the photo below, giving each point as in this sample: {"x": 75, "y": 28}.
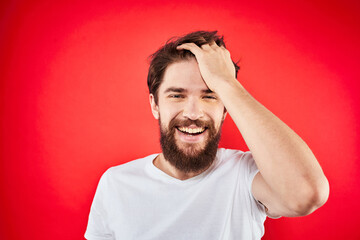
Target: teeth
{"x": 191, "y": 130}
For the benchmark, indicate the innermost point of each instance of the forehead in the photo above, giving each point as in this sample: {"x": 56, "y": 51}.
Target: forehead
{"x": 183, "y": 74}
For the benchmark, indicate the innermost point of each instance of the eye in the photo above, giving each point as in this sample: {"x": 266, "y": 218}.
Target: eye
{"x": 210, "y": 97}
{"x": 176, "y": 96}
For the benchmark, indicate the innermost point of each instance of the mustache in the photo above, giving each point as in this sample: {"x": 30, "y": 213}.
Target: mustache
{"x": 187, "y": 122}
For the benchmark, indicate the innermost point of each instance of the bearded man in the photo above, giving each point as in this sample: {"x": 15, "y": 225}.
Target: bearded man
{"x": 193, "y": 190}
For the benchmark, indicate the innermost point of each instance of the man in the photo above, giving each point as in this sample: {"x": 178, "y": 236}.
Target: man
{"x": 193, "y": 190}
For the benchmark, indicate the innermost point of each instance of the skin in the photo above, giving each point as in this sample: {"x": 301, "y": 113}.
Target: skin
{"x": 183, "y": 94}
{"x": 290, "y": 182}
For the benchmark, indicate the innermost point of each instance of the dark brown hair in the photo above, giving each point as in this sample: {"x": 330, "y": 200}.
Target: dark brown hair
{"x": 168, "y": 54}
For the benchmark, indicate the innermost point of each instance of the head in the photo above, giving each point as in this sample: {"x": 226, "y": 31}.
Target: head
{"x": 189, "y": 114}
{"x": 168, "y": 54}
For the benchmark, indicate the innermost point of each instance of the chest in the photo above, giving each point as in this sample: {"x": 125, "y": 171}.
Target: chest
{"x": 159, "y": 210}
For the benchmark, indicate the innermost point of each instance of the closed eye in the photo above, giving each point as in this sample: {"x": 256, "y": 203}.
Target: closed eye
{"x": 210, "y": 97}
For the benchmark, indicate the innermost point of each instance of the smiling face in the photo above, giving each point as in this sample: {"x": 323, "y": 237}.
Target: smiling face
{"x": 190, "y": 117}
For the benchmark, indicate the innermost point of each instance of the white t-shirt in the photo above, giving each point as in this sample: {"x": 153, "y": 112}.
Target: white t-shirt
{"x": 138, "y": 201}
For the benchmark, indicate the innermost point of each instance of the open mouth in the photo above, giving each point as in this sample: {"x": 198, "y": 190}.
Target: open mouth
{"x": 192, "y": 131}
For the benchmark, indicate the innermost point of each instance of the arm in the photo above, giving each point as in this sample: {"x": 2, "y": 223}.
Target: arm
{"x": 291, "y": 181}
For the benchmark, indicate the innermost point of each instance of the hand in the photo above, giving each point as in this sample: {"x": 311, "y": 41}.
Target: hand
{"x": 215, "y": 64}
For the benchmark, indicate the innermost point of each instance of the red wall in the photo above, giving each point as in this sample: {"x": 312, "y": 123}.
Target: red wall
{"x": 74, "y": 99}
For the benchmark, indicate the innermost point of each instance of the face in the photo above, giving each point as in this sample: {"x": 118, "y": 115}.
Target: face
{"x": 190, "y": 117}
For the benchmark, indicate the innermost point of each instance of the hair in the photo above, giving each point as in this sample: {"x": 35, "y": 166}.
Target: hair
{"x": 168, "y": 54}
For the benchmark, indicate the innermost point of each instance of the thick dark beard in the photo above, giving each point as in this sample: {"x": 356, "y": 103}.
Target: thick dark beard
{"x": 190, "y": 159}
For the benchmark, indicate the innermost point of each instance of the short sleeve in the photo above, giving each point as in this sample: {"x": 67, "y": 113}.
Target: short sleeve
{"x": 97, "y": 228}
{"x": 257, "y": 209}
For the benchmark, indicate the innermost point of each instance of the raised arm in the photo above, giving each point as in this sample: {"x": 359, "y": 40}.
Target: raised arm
{"x": 291, "y": 181}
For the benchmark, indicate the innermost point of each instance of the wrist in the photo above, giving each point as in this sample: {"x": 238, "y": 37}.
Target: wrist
{"x": 229, "y": 86}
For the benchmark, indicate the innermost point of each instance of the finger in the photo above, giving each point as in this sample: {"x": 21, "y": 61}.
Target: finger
{"x": 213, "y": 44}
{"x": 206, "y": 46}
{"x": 192, "y": 47}
{"x": 224, "y": 50}
{"x": 210, "y": 46}
{"x": 227, "y": 52}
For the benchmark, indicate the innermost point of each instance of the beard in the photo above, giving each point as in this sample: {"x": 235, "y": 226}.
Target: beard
{"x": 192, "y": 157}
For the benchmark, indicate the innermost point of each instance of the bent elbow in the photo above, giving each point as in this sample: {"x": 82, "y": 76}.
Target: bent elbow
{"x": 312, "y": 200}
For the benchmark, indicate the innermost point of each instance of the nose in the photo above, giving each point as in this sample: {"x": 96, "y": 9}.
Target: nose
{"x": 193, "y": 109}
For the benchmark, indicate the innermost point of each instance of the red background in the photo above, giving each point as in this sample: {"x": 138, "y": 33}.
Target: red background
{"x": 74, "y": 99}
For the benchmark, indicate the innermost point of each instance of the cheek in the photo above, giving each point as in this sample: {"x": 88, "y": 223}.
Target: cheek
{"x": 168, "y": 111}
{"x": 166, "y": 116}
{"x": 218, "y": 117}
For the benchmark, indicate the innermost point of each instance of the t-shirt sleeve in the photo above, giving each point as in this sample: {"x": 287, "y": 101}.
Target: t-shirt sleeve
{"x": 257, "y": 209}
{"x": 97, "y": 228}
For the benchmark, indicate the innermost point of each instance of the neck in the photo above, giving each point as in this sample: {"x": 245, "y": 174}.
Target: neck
{"x": 165, "y": 166}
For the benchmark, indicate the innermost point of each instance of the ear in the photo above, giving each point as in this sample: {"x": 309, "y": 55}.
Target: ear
{"x": 154, "y": 107}
{"x": 224, "y": 114}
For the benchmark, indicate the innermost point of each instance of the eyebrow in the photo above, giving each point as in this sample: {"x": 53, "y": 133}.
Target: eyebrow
{"x": 174, "y": 89}
{"x": 181, "y": 90}
{"x": 207, "y": 91}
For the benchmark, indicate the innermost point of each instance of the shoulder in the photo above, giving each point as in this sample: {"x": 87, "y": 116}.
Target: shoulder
{"x": 225, "y": 155}
{"x": 127, "y": 170}
{"x": 238, "y": 159}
